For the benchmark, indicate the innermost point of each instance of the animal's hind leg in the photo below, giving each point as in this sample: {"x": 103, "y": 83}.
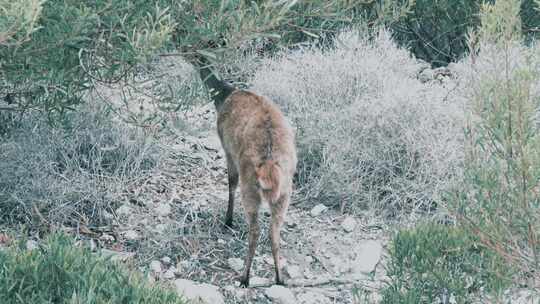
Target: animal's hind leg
{"x": 233, "y": 178}
{"x": 251, "y": 201}
{"x": 278, "y": 210}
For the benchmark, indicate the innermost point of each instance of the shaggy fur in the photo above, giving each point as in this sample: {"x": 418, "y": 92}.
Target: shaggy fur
{"x": 261, "y": 156}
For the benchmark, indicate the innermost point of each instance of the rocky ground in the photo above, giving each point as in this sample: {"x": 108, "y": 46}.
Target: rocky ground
{"x": 173, "y": 230}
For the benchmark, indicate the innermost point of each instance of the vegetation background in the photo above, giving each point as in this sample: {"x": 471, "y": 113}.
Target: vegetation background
{"x": 423, "y": 116}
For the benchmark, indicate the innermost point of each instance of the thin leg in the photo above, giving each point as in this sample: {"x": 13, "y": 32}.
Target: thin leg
{"x": 278, "y": 209}
{"x": 251, "y": 203}
{"x": 232, "y": 174}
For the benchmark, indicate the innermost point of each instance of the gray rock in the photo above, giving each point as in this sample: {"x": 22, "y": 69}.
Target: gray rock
{"x": 107, "y": 238}
{"x": 348, "y": 224}
{"x": 317, "y": 210}
{"x": 170, "y": 273}
{"x": 258, "y": 281}
{"x": 166, "y": 260}
{"x": 131, "y": 235}
{"x": 237, "y": 292}
{"x": 290, "y": 222}
{"x": 31, "y": 245}
{"x": 199, "y": 292}
{"x": 426, "y": 75}
{"x": 313, "y": 297}
{"x": 161, "y": 228}
{"x": 339, "y": 263}
{"x": 294, "y": 271}
{"x": 213, "y": 142}
{"x": 163, "y": 209}
{"x": 236, "y": 264}
{"x": 124, "y": 210}
{"x": 442, "y": 72}
{"x": 155, "y": 266}
{"x": 368, "y": 255}
{"x": 280, "y": 294}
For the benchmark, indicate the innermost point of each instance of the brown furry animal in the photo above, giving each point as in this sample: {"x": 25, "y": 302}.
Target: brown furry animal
{"x": 261, "y": 156}
{"x": 260, "y": 152}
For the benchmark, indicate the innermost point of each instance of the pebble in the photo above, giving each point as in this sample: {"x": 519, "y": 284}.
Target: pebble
{"x": 348, "y": 224}
{"x": 280, "y": 294}
{"x": 317, "y": 210}
{"x": 236, "y": 264}
{"x": 163, "y": 209}
{"x": 199, "y": 292}
{"x": 155, "y": 266}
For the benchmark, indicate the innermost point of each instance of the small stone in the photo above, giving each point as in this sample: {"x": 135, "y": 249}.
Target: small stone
{"x": 239, "y": 293}
{"x": 317, "y": 210}
{"x": 170, "y": 273}
{"x": 294, "y": 271}
{"x": 199, "y": 293}
{"x": 368, "y": 255}
{"x": 92, "y": 245}
{"x": 131, "y": 235}
{"x": 160, "y": 228}
{"x": 313, "y": 297}
{"x": 280, "y": 294}
{"x": 107, "y": 238}
{"x": 31, "y": 245}
{"x": 163, "y": 209}
{"x": 289, "y": 221}
{"x": 236, "y": 264}
{"x": 107, "y": 215}
{"x": 426, "y": 75}
{"x": 308, "y": 259}
{"x": 221, "y": 242}
{"x": 183, "y": 266}
{"x": 348, "y": 224}
{"x": 166, "y": 260}
{"x": 340, "y": 265}
{"x": 258, "y": 281}
{"x": 308, "y": 274}
{"x": 124, "y": 210}
{"x": 155, "y": 266}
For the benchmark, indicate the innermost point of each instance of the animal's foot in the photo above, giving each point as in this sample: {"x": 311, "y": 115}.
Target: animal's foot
{"x": 244, "y": 281}
{"x": 228, "y": 226}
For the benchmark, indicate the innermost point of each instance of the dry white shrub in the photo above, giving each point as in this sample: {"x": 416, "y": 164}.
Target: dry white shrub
{"x": 370, "y": 135}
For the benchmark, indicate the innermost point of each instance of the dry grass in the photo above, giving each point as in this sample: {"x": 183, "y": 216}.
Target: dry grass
{"x": 53, "y": 175}
{"x": 370, "y": 135}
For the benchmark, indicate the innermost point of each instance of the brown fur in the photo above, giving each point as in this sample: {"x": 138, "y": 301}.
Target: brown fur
{"x": 260, "y": 151}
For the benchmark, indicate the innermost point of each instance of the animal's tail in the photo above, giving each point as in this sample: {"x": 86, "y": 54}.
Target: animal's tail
{"x": 269, "y": 178}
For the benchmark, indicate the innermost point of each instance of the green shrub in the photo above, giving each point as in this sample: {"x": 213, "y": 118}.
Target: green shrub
{"x": 499, "y": 199}
{"x": 103, "y": 42}
{"x": 59, "y": 272}
{"x": 437, "y": 33}
{"x": 435, "y": 262}
{"x": 369, "y": 134}
{"x": 71, "y": 45}
{"x": 18, "y": 20}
